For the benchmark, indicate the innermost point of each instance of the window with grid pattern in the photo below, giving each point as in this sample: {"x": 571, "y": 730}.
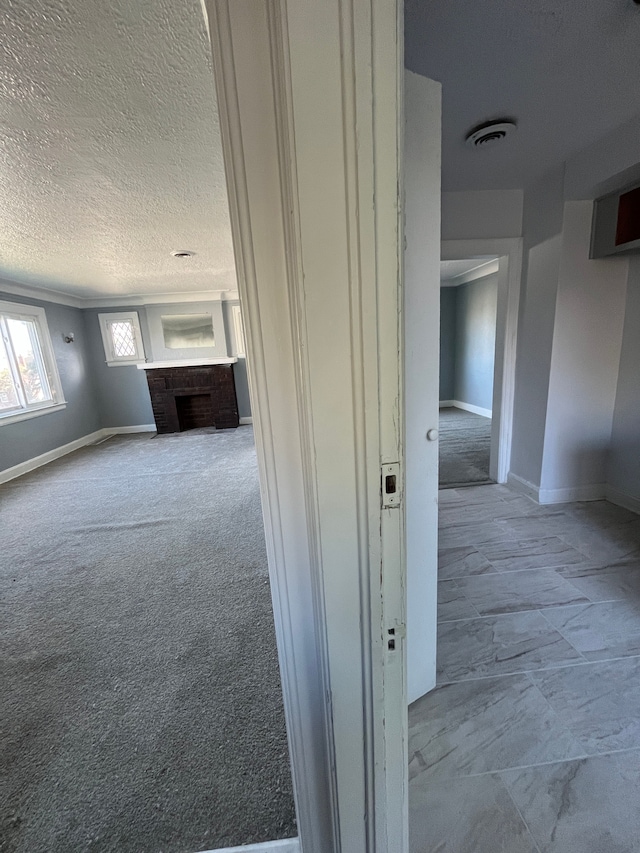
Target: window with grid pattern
{"x": 29, "y": 380}
{"x": 122, "y": 338}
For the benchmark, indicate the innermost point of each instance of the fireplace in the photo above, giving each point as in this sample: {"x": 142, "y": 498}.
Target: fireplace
{"x": 189, "y": 396}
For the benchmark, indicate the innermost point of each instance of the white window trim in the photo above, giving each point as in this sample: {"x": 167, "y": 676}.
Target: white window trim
{"x": 111, "y": 358}
{"x": 37, "y": 315}
{"x": 238, "y": 331}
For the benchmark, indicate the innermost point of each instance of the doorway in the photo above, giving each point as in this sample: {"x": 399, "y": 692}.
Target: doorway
{"x": 468, "y": 316}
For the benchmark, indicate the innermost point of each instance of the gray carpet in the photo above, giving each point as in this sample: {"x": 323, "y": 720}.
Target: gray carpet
{"x": 465, "y": 445}
{"x": 141, "y": 701}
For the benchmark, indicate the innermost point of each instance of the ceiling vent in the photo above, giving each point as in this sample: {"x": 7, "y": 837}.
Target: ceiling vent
{"x": 489, "y": 133}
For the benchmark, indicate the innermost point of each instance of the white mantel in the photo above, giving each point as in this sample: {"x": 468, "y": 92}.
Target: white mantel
{"x": 193, "y": 362}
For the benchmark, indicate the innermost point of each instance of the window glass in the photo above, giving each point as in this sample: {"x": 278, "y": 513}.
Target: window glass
{"x": 29, "y": 379}
{"x": 123, "y": 339}
{"x": 26, "y": 348}
{"x": 8, "y": 396}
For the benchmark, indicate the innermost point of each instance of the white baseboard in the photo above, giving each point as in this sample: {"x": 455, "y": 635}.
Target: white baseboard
{"x": 285, "y": 845}
{"x": 245, "y": 421}
{"x": 595, "y": 492}
{"x": 50, "y": 456}
{"x": 519, "y": 484}
{"x": 573, "y": 494}
{"x": 615, "y": 496}
{"x": 127, "y": 430}
{"x": 467, "y": 407}
{"x": 58, "y": 452}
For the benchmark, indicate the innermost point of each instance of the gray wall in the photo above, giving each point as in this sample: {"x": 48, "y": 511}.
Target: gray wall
{"x": 447, "y": 342}
{"x": 24, "y": 440}
{"x": 476, "y": 306}
{"x": 122, "y": 392}
{"x": 624, "y": 458}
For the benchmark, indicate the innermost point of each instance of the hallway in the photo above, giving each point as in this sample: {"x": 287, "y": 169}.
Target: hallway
{"x": 464, "y": 450}
{"x": 530, "y": 743}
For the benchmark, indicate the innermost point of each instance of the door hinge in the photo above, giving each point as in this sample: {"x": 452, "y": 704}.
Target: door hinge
{"x": 390, "y": 485}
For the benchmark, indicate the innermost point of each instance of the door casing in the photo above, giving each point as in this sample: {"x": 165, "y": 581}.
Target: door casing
{"x": 310, "y": 104}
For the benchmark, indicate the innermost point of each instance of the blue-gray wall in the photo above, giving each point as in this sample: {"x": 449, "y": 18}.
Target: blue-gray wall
{"x": 447, "y": 342}
{"x": 624, "y": 456}
{"x": 476, "y": 306}
{"x": 122, "y": 391}
{"x": 24, "y": 440}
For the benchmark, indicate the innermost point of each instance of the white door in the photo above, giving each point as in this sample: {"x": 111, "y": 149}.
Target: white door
{"x": 422, "y": 360}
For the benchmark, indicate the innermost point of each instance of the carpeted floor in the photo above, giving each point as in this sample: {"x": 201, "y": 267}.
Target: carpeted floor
{"x": 141, "y": 704}
{"x": 465, "y": 444}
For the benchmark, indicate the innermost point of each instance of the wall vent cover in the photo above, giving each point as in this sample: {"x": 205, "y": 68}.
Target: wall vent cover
{"x": 489, "y": 133}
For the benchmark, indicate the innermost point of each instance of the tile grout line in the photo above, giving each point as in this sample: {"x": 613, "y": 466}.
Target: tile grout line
{"x": 555, "y": 628}
{"x": 582, "y": 757}
{"x": 582, "y": 662}
{"x": 517, "y": 808}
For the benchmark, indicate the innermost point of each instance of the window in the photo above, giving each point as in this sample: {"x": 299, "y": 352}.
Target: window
{"x": 29, "y": 380}
{"x": 122, "y": 338}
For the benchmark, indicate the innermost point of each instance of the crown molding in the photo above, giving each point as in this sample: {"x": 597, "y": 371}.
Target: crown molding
{"x": 481, "y": 271}
{"x": 45, "y": 294}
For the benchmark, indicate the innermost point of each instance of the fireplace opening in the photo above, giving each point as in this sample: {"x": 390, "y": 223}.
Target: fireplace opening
{"x": 194, "y": 411}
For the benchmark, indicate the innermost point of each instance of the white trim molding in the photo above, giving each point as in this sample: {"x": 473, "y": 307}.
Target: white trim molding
{"x": 96, "y": 437}
{"x": 572, "y": 494}
{"x": 519, "y": 484}
{"x": 285, "y": 845}
{"x": 615, "y": 496}
{"x": 246, "y": 421}
{"x": 330, "y": 546}
{"x": 592, "y": 492}
{"x": 467, "y": 407}
{"x": 187, "y": 362}
{"x": 481, "y": 271}
{"x": 44, "y": 293}
{"x": 105, "y": 321}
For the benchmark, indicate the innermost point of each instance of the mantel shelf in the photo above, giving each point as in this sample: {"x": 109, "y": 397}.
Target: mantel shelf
{"x": 194, "y": 362}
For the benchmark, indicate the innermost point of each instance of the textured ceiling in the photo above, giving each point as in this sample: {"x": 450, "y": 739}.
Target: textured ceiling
{"x": 567, "y": 70}
{"x": 110, "y": 152}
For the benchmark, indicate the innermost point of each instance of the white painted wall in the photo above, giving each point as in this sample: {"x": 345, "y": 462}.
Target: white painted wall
{"x": 623, "y": 472}
{"x": 534, "y": 359}
{"x": 482, "y": 214}
{"x": 422, "y": 331}
{"x": 587, "y": 341}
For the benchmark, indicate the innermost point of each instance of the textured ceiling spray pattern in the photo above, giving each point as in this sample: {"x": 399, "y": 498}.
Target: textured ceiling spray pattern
{"x": 110, "y": 152}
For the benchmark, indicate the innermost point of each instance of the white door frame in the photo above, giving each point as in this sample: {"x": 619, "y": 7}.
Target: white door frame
{"x": 509, "y": 251}
{"x": 310, "y": 103}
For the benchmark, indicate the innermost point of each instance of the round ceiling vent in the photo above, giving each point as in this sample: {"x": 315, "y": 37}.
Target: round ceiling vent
{"x": 489, "y": 133}
{"x": 182, "y": 253}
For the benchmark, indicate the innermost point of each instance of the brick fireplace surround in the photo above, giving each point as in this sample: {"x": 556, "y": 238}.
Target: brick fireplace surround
{"x": 192, "y": 396}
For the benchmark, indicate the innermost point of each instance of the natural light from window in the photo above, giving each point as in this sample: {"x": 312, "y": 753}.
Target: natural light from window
{"x": 28, "y": 376}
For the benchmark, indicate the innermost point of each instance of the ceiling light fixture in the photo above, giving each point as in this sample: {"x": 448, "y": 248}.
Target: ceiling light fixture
{"x": 490, "y": 132}
{"x": 182, "y": 253}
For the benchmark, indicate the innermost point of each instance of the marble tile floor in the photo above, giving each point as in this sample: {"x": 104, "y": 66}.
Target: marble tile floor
{"x": 530, "y": 742}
